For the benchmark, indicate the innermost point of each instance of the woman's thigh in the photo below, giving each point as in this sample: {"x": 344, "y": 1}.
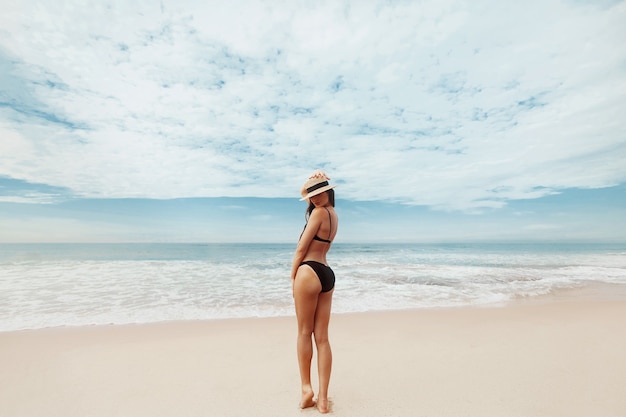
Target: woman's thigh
{"x": 322, "y": 315}
{"x": 306, "y": 291}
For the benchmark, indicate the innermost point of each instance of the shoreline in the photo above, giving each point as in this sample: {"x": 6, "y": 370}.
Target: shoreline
{"x": 593, "y": 291}
{"x": 558, "y": 356}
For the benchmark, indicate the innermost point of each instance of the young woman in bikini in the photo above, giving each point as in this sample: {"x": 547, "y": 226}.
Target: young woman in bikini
{"x": 313, "y": 282}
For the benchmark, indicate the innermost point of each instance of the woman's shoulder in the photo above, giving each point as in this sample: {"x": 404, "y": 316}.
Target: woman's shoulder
{"x": 322, "y": 213}
{"x": 322, "y": 210}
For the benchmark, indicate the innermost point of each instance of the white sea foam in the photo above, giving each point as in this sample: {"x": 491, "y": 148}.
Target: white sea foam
{"x": 104, "y": 286}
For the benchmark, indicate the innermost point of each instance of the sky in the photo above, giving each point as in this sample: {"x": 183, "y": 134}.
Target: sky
{"x": 198, "y": 121}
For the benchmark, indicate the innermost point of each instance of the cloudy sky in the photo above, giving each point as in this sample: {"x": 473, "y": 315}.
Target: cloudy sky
{"x": 199, "y": 120}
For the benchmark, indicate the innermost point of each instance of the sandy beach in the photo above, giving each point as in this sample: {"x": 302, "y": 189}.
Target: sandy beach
{"x": 557, "y": 357}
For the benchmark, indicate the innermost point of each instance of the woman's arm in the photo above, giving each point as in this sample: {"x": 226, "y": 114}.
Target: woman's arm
{"x": 312, "y": 226}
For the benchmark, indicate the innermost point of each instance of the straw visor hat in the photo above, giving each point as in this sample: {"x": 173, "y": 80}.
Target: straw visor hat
{"x": 316, "y": 184}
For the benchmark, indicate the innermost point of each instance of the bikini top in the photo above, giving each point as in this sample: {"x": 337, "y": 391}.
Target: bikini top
{"x": 319, "y": 239}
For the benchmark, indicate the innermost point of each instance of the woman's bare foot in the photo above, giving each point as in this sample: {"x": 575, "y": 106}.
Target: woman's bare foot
{"x": 322, "y": 405}
{"x": 307, "y": 397}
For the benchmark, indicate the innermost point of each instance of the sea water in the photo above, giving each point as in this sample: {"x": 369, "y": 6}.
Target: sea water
{"x": 49, "y": 285}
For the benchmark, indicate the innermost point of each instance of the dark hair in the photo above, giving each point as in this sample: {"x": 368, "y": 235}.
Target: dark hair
{"x": 331, "y": 200}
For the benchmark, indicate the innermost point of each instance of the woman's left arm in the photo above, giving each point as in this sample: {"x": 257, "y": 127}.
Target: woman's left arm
{"x": 309, "y": 232}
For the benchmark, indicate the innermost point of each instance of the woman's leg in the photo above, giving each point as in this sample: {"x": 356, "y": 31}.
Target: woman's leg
{"x": 324, "y": 353}
{"x": 306, "y": 290}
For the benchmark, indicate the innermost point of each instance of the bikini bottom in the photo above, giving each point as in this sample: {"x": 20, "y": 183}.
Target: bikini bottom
{"x": 324, "y": 273}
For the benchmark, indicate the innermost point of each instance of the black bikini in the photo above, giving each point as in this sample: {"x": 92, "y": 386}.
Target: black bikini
{"x": 323, "y": 272}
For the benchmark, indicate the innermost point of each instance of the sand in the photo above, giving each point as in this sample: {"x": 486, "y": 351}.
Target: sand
{"x": 564, "y": 357}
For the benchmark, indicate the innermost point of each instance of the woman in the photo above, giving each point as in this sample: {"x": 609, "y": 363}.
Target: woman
{"x": 313, "y": 282}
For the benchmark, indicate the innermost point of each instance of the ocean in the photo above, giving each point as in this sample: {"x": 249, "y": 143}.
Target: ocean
{"x": 51, "y": 285}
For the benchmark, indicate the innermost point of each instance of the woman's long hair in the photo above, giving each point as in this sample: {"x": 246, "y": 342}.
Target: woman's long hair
{"x": 331, "y": 200}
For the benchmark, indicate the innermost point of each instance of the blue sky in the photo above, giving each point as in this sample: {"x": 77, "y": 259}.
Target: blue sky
{"x": 199, "y": 121}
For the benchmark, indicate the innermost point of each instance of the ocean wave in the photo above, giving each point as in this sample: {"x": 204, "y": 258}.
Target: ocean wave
{"x": 60, "y": 291}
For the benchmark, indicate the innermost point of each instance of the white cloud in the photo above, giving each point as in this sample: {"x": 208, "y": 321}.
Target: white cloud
{"x": 440, "y": 103}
